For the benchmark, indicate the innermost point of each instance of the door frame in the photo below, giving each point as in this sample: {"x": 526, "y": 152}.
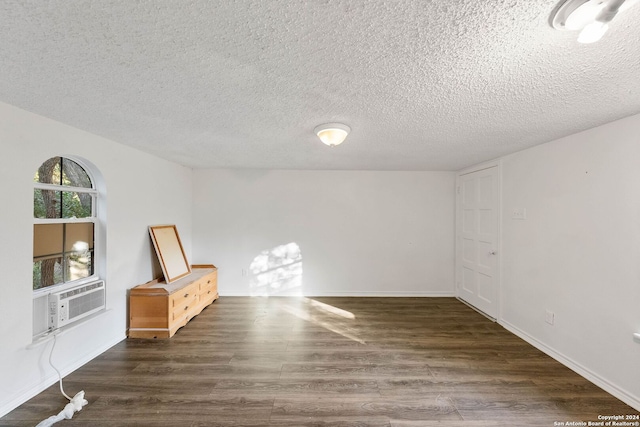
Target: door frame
{"x": 458, "y": 254}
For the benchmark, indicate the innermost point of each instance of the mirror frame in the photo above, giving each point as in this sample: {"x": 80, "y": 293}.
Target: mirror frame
{"x": 168, "y": 246}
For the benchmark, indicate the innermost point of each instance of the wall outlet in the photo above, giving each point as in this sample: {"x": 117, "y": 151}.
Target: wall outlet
{"x": 519, "y": 213}
{"x": 244, "y": 272}
{"x": 549, "y": 317}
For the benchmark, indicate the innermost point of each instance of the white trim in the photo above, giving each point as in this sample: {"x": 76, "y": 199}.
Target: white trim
{"x": 498, "y": 294}
{"x": 387, "y": 294}
{"x": 59, "y": 287}
{"x": 625, "y": 396}
{"x": 500, "y": 267}
{"x": 48, "y": 335}
{"x": 479, "y": 167}
{"x": 93, "y": 219}
{"x": 41, "y": 386}
{"x": 476, "y": 309}
{"x": 66, "y": 188}
{"x": 73, "y": 220}
{"x": 373, "y": 294}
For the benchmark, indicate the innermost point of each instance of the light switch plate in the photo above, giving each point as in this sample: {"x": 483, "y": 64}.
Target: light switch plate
{"x": 519, "y": 213}
{"x": 549, "y": 317}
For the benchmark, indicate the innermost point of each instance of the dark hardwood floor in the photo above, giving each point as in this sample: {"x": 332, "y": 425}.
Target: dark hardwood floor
{"x": 327, "y": 362}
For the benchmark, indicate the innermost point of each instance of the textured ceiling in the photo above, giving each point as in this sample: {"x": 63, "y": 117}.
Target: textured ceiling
{"x": 424, "y": 85}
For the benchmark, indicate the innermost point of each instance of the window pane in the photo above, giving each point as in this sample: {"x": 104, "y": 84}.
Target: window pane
{"x": 76, "y": 205}
{"x": 79, "y": 265}
{"x": 47, "y": 240}
{"x": 74, "y": 175}
{"x": 46, "y": 203}
{"x": 62, "y": 252}
{"x": 47, "y": 272}
{"x": 61, "y": 204}
{"x": 78, "y": 237}
{"x": 62, "y": 171}
{"x": 49, "y": 172}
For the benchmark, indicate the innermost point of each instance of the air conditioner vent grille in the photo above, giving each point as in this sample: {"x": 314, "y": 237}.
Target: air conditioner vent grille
{"x": 85, "y": 303}
{"x": 74, "y": 304}
{"x": 81, "y": 290}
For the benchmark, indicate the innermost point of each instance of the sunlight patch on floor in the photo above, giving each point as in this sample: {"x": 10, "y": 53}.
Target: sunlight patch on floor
{"x": 331, "y": 318}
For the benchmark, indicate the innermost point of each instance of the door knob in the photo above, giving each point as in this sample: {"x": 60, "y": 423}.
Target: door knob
{"x": 492, "y": 253}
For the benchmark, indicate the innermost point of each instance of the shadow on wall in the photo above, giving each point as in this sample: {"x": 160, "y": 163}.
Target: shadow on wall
{"x": 277, "y": 271}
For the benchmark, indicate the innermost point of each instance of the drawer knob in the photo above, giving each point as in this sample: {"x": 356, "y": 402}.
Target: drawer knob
{"x": 186, "y": 308}
{"x": 208, "y": 281}
{"x": 186, "y": 295}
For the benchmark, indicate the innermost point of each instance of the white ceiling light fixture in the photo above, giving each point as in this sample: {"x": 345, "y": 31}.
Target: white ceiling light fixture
{"x": 590, "y": 17}
{"x": 332, "y": 134}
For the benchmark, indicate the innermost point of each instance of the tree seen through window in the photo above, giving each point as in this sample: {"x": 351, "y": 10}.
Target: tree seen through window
{"x": 64, "y": 223}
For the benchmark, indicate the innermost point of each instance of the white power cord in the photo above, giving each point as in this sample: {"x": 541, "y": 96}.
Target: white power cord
{"x": 75, "y": 403}
{"x": 56, "y": 369}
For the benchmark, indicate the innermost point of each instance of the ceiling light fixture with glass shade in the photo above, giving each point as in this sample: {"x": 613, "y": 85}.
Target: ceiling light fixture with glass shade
{"x": 332, "y": 134}
{"x": 590, "y": 17}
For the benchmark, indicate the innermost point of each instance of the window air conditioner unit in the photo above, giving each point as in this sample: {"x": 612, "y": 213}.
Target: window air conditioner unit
{"x": 73, "y": 304}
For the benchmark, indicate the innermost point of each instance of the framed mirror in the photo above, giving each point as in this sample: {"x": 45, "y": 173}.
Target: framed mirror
{"x": 170, "y": 252}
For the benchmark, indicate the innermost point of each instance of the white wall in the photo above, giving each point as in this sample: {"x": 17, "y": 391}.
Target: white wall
{"x": 138, "y": 189}
{"x": 359, "y": 232}
{"x": 578, "y": 252}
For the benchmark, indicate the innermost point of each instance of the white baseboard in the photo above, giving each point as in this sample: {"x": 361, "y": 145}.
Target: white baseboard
{"x": 36, "y": 389}
{"x": 434, "y": 294}
{"x": 607, "y": 386}
{"x": 386, "y": 294}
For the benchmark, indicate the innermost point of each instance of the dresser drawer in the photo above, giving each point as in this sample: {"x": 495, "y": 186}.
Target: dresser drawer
{"x": 208, "y": 282}
{"x": 207, "y": 288}
{"x": 185, "y": 306}
{"x": 158, "y": 309}
{"x": 183, "y": 296}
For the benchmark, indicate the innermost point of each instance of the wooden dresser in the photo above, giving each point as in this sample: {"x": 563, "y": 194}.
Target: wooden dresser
{"x": 158, "y": 309}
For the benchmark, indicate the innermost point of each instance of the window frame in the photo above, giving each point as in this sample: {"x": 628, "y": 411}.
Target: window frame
{"x": 93, "y": 192}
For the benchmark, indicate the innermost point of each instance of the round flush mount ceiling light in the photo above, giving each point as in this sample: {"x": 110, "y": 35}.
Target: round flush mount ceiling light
{"x": 590, "y": 17}
{"x": 574, "y": 15}
{"x": 332, "y": 134}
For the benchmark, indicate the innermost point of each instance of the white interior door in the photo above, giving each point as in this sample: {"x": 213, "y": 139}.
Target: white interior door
{"x": 477, "y": 257}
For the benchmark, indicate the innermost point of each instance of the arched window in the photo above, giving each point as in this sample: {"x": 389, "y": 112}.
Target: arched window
{"x": 65, "y": 223}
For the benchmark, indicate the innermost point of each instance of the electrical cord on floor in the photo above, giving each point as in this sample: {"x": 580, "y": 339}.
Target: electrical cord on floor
{"x": 75, "y": 403}
{"x": 56, "y": 369}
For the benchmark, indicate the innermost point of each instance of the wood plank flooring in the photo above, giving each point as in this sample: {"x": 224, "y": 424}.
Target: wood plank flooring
{"x": 327, "y": 362}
